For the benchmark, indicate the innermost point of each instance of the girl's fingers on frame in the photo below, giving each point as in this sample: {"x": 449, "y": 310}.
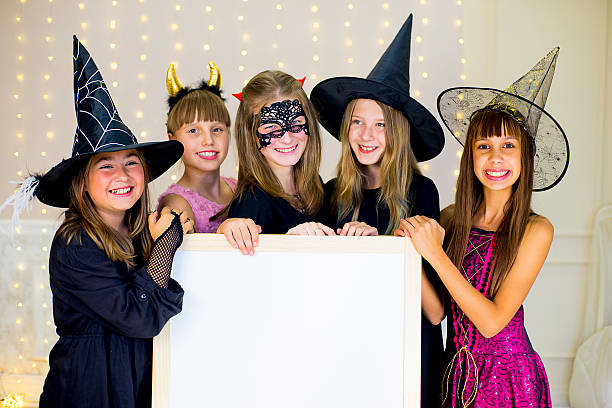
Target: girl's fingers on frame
{"x": 230, "y": 238}
{"x": 254, "y": 232}
{"x": 312, "y": 228}
{"x": 227, "y": 233}
{"x": 248, "y": 243}
{"x": 240, "y": 241}
{"x": 344, "y": 229}
{"x": 326, "y": 230}
{"x": 246, "y": 236}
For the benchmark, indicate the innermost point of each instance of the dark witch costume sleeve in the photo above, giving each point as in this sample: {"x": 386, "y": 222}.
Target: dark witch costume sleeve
{"x": 85, "y": 281}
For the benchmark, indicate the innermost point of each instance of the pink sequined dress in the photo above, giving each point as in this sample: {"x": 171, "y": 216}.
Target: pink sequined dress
{"x": 202, "y": 207}
{"x": 498, "y": 372}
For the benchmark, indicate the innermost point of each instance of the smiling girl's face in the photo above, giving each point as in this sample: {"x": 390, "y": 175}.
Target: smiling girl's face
{"x": 497, "y": 160}
{"x": 205, "y": 142}
{"x": 367, "y": 132}
{"x": 115, "y": 182}
{"x": 283, "y": 132}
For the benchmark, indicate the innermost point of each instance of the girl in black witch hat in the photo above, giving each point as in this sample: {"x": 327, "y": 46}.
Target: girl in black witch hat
{"x": 384, "y": 132}
{"x": 110, "y": 260}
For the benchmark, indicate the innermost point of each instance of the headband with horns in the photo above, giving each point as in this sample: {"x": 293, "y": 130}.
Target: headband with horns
{"x": 176, "y": 91}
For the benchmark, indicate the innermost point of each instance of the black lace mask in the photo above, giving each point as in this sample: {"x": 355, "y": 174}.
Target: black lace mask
{"x": 277, "y": 119}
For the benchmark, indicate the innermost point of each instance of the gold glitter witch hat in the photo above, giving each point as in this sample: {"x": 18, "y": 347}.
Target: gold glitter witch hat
{"x": 524, "y": 101}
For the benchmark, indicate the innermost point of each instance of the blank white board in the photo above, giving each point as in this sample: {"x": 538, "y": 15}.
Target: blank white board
{"x": 306, "y": 322}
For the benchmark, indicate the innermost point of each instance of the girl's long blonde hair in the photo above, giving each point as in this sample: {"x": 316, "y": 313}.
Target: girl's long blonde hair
{"x": 398, "y": 165}
{"x": 81, "y": 215}
{"x": 253, "y": 170}
{"x": 470, "y": 196}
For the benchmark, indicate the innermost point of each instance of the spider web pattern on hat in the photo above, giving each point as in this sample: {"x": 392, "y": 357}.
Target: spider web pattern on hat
{"x": 98, "y": 123}
{"x": 524, "y": 101}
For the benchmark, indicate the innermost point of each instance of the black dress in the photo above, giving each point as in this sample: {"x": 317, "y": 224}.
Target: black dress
{"x": 424, "y": 200}
{"x": 273, "y": 214}
{"x": 106, "y": 317}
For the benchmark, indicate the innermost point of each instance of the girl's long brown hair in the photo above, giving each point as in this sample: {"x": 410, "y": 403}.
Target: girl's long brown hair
{"x": 82, "y": 216}
{"x": 253, "y": 169}
{"x": 470, "y": 197}
{"x": 398, "y": 165}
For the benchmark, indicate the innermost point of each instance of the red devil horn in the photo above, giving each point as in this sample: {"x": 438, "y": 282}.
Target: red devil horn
{"x": 302, "y": 81}
{"x": 238, "y": 96}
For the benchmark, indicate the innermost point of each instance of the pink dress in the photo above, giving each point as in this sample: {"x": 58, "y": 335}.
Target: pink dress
{"x": 503, "y": 371}
{"x": 202, "y": 207}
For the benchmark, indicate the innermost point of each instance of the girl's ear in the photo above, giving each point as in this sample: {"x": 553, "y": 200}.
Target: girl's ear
{"x": 170, "y": 136}
{"x": 83, "y": 173}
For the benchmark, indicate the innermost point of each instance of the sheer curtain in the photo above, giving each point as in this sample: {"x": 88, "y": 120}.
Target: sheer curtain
{"x": 591, "y": 382}
{"x": 26, "y": 327}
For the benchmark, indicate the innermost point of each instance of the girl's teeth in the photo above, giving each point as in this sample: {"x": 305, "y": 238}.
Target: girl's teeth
{"x": 121, "y": 190}
{"x": 207, "y": 154}
{"x": 497, "y": 173}
{"x": 286, "y": 150}
{"x": 367, "y": 148}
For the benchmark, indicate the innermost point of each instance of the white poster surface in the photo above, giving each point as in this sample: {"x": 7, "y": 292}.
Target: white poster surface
{"x": 306, "y": 322}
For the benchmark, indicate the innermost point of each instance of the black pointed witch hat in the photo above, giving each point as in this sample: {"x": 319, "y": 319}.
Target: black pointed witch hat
{"x": 524, "y": 101}
{"x": 99, "y": 129}
{"x": 389, "y": 83}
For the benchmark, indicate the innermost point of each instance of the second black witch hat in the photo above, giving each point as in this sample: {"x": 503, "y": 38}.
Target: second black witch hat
{"x": 389, "y": 83}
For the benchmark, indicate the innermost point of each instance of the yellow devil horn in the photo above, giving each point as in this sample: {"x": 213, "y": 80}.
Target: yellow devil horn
{"x": 215, "y": 75}
{"x": 172, "y": 82}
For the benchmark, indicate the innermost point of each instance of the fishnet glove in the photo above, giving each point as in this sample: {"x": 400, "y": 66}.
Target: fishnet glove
{"x": 162, "y": 253}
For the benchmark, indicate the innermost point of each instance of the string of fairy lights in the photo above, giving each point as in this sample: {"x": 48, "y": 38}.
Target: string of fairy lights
{"x": 141, "y": 78}
{"x": 25, "y": 279}
{"x": 324, "y": 26}
{"x": 18, "y": 271}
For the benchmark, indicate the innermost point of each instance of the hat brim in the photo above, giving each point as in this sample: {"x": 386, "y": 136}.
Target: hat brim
{"x": 54, "y": 186}
{"x": 456, "y": 106}
{"x": 331, "y": 97}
